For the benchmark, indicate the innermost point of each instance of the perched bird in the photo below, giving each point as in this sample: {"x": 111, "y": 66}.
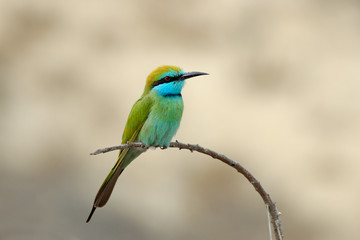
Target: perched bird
{"x": 153, "y": 120}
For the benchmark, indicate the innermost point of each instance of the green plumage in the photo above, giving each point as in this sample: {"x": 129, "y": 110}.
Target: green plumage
{"x": 153, "y": 120}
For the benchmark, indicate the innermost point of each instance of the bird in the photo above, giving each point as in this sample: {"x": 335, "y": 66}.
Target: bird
{"x": 153, "y": 120}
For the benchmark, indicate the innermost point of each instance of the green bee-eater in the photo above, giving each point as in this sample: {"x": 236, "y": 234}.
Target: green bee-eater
{"x": 153, "y": 120}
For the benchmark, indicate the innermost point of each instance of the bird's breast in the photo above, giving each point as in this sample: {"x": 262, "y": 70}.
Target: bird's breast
{"x": 163, "y": 121}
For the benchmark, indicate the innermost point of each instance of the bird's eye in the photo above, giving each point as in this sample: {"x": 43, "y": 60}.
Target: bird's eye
{"x": 167, "y": 78}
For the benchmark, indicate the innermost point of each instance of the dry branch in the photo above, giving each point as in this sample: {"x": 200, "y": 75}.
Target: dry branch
{"x": 270, "y": 205}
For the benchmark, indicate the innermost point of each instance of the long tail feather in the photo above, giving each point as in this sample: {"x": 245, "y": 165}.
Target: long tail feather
{"x": 108, "y": 185}
{"x": 91, "y": 213}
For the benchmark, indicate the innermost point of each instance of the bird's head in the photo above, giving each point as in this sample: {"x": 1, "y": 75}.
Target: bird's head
{"x": 167, "y": 80}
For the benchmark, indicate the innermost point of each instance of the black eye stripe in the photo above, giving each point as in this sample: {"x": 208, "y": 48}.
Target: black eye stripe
{"x": 161, "y": 81}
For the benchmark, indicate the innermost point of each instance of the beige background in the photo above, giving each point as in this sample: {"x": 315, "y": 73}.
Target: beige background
{"x": 282, "y": 99}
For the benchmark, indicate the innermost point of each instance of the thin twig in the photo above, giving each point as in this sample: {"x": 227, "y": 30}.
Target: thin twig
{"x": 274, "y": 213}
{"x": 269, "y": 220}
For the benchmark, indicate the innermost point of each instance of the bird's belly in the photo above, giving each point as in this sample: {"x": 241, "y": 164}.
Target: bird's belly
{"x": 162, "y": 123}
{"x": 158, "y": 133}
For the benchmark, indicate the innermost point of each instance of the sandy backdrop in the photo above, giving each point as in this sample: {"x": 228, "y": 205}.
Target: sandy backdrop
{"x": 282, "y": 98}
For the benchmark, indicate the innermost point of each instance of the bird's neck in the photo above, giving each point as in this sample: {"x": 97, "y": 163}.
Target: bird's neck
{"x": 171, "y": 95}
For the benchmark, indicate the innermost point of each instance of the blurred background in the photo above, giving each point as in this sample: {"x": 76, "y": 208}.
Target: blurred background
{"x": 282, "y": 98}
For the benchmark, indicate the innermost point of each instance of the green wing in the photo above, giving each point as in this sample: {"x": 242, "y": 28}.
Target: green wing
{"x": 136, "y": 120}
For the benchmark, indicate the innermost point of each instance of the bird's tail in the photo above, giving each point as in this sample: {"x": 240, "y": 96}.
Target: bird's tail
{"x": 107, "y": 187}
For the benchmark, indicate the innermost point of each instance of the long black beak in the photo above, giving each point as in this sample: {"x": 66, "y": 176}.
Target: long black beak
{"x": 191, "y": 74}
